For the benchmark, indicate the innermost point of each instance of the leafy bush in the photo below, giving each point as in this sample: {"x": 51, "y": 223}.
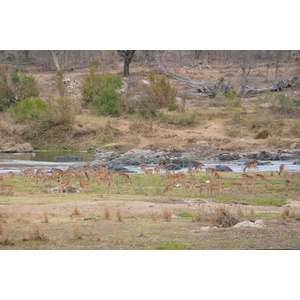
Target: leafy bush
{"x": 231, "y": 95}
{"x": 108, "y": 102}
{"x": 63, "y": 112}
{"x": 15, "y": 87}
{"x": 93, "y": 83}
{"x": 173, "y": 107}
{"x": 31, "y": 109}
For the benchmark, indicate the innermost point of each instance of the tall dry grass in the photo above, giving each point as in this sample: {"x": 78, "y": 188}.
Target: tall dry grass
{"x": 76, "y": 232}
{"x": 119, "y": 215}
{"x": 166, "y": 215}
{"x": 106, "y": 213}
{"x": 36, "y": 233}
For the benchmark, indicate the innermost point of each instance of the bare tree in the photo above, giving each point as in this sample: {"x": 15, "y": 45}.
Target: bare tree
{"x": 127, "y": 56}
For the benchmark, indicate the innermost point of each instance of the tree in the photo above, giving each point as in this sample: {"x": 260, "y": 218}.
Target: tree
{"x": 127, "y": 56}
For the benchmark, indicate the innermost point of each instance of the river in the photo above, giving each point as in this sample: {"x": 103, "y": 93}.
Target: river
{"x": 16, "y": 161}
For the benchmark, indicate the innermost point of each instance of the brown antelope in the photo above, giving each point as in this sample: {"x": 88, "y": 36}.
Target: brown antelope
{"x": 198, "y": 166}
{"x": 205, "y": 186}
{"x": 39, "y": 178}
{"x": 190, "y": 185}
{"x": 11, "y": 174}
{"x": 40, "y": 171}
{"x": 251, "y": 164}
{"x": 158, "y": 168}
{"x": 1, "y": 177}
{"x": 257, "y": 175}
{"x": 210, "y": 170}
{"x": 148, "y": 171}
{"x": 190, "y": 171}
{"x": 123, "y": 175}
{"x": 168, "y": 188}
{"x": 6, "y": 188}
{"x": 249, "y": 185}
{"x": 236, "y": 185}
{"x": 85, "y": 186}
{"x": 281, "y": 168}
{"x": 28, "y": 173}
{"x": 287, "y": 183}
{"x": 216, "y": 174}
{"x": 64, "y": 184}
{"x": 247, "y": 177}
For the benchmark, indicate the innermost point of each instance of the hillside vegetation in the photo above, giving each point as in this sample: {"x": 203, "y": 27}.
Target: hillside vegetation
{"x": 92, "y": 105}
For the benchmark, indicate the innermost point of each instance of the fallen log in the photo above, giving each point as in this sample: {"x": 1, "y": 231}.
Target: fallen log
{"x": 204, "y": 89}
{"x": 278, "y": 85}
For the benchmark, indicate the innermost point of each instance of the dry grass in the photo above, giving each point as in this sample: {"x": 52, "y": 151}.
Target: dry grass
{"x": 285, "y": 214}
{"x": 6, "y": 231}
{"x": 240, "y": 214}
{"x": 76, "y": 232}
{"x": 45, "y": 216}
{"x": 106, "y": 213}
{"x": 166, "y": 215}
{"x": 75, "y": 211}
{"x": 118, "y": 239}
{"x": 98, "y": 237}
{"x": 119, "y": 215}
{"x": 36, "y": 233}
{"x": 154, "y": 216}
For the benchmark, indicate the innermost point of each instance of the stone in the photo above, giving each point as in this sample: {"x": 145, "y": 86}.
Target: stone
{"x": 220, "y": 168}
{"x": 205, "y": 229}
{"x": 295, "y": 146}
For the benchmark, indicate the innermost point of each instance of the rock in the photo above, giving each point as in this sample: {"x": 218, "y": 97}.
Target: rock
{"x": 295, "y": 146}
{"x": 195, "y": 200}
{"x": 228, "y": 156}
{"x": 12, "y": 147}
{"x": 296, "y": 162}
{"x": 205, "y": 229}
{"x": 68, "y": 158}
{"x": 232, "y": 202}
{"x": 69, "y": 189}
{"x": 171, "y": 167}
{"x": 244, "y": 203}
{"x": 244, "y": 224}
{"x": 220, "y": 168}
{"x": 257, "y": 224}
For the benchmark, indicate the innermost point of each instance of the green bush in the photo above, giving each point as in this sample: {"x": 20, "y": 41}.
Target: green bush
{"x": 171, "y": 246}
{"x": 179, "y": 119}
{"x": 231, "y": 95}
{"x": 173, "y": 107}
{"x": 31, "y": 109}
{"x": 93, "y": 83}
{"x": 108, "y": 102}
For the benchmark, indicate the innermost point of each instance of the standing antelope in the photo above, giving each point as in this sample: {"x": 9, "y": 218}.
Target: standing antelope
{"x": 158, "y": 168}
{"x": 198, "y": 166}
{"x": 281, "y": 168}
{"x": 210, "y": 170}
{"x": 250, "y": 165}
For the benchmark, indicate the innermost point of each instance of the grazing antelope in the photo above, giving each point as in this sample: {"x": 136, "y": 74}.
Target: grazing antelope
{"x": 198, "y": 166}
{"x": 158, "y": 168}
{"x": 249, "y": 185}
{"x": 148, "y": 171}
{"x": 123, "y": 175}
{"x": 247, "y": 177}
{"x": 251, "y": 164}
{"x": 257, "y": 175}
{"x": 210, "y": 170}
{"x": 216, "y": 174}
{"x": 168, "y": 188}
{"x": 28, "y": 173}
{"x": 205, "y": 186}
{"x": 11, "y": 174}
{"x": 236, "y": 185}
{"x": 281, "y": 168}
{"x": 190, "y": 185}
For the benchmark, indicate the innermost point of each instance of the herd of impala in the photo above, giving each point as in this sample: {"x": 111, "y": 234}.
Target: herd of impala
{"x": 170, "y": 179}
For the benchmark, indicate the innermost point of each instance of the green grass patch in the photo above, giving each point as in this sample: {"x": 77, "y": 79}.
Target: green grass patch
{"x": 171, "y": 246}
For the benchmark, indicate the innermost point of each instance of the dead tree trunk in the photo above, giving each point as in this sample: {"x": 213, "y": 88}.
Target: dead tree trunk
{"x": 203, "y": 89}
{"x": 278, "y": 85}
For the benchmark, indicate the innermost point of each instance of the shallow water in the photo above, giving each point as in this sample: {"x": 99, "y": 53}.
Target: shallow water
{"x": 16, "y": 161}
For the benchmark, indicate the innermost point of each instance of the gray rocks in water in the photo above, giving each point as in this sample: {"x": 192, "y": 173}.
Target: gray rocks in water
{"x": 220, "y": 168}
{"x": 296, "y": 162}
{"x": 228, "y": 156}
{"x": 68, "y": 158}
{"x": 172, "y": 167}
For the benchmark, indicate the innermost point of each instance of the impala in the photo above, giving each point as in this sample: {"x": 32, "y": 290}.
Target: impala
{"x": 260, "y": 176}
{"x": 28, "y": 173}
{"x": 123, "y": 175}
{"x": 281, "y": 168}
{"x": 236, "y": 185}
{"x": 148, "y": 171}
{"x": 251, "y": 164}
{"x": 247, "y": 177}
{"x": 210, "y": 170}
{"x": 198, "y": 166}
{"x": 85, "y": 186}
{"x": 158, "y": 168}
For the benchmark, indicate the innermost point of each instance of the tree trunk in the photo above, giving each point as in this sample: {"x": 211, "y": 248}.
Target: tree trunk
{"x": 126, "y": 67}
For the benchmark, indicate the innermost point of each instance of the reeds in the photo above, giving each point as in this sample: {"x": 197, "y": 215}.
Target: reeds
{"x": 119, "y": 215}
{"x": 285, "y": 214}
{"x": 45, "y": 216}
{"x": 36, "y": 233}
{"x": 76, "y": 232}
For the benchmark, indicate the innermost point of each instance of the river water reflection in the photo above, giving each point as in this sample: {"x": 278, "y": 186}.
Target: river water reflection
{"x": 16, "y": 161}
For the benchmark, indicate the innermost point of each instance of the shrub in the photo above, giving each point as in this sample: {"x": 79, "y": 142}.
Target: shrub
{"x": 31, "y": 109}
{"x": 262, "y": 134}
{"x": 159, "y": 93}
{"x": 171, "y": 246}
{"x": 172, "y": 106}
{"x": 180, "y": 119}
{"x": 231, "y": 95}
{"x": 93, "y": 83}
{"x": 108, "y": 102}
